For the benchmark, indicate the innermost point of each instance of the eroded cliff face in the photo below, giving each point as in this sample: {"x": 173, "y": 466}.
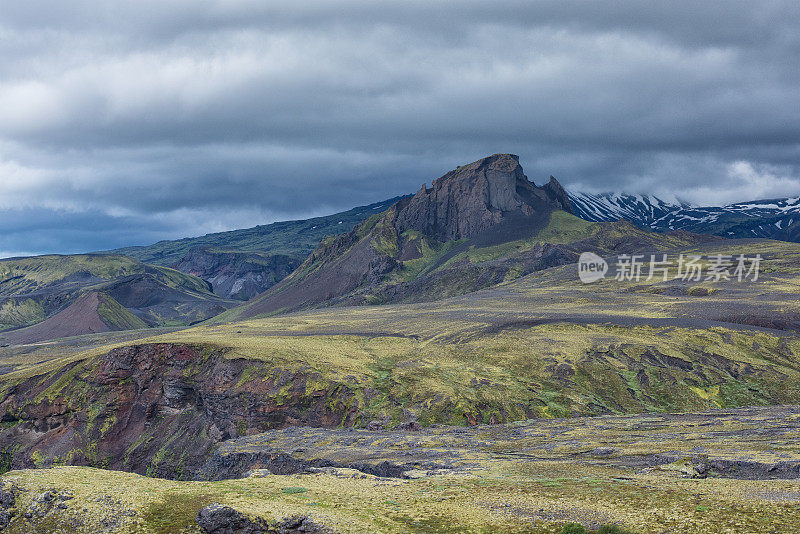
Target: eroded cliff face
{"x": 157, "y": 409}
{"x": 474, "y": 198}
{"x": 237, "y": 275}
{"x": 162, "y": 409}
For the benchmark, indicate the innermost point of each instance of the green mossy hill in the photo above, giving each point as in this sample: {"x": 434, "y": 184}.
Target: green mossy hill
{"x": 37, "y": 273}
{"x": 17, "y": 312}
{"x": 116, "y": 315}
{"x": 25, "y": 275}
{"x": 37, "y": 288}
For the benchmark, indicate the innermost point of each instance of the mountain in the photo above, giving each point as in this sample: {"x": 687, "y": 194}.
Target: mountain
{"x": 240, "y": 264}
{"x": 92, "y": 313}
{"x": 478, "y": 225}
{"x": 292, "y": 238}
{"x": 772, "y": 219}
{"x": 640, "y": 209}
{"x": 52, "y": 291}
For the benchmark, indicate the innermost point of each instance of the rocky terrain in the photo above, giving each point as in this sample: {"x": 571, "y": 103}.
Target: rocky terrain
{"x": 698, "y": 445}
{"x": 437, "y": 368}
{"x": 728, "y": 471}
{"x": 542, "y": 346}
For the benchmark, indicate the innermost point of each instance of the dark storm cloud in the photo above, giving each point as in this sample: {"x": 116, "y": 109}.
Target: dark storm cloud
{"x": 162, "y": 119}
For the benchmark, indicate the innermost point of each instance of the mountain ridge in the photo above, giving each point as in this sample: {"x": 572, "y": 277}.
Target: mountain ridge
{"x": 765, "y": 218}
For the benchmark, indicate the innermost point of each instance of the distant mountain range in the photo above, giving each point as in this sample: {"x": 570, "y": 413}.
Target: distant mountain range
{"x": 241, "y": 264}
{"x": 772, "y": 219}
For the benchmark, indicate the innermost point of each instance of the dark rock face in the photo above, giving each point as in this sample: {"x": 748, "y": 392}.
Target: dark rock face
{"x": 300, "y": 524}
{"x": 237, "y": 275}
{"x": 7, "y": 501}
{"x": 218, "y": 519}
{"x": 120, "y": 409}
{"x": 471, "y": 199}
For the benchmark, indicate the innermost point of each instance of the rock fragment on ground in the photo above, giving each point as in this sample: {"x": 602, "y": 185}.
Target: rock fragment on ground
{"x": 220, "y": 519}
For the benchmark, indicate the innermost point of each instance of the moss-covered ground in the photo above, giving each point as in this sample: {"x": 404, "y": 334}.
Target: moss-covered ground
{"x": 504, "y": 479}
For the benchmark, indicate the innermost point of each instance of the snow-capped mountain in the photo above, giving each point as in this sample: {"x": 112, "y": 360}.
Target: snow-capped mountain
{"x": 640, "y": 209}
{"x": 774, "y": 219}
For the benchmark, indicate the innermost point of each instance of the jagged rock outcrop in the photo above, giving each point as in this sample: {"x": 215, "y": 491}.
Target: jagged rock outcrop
{"x": 487, "y": 202}
{"x": 474, "y": 198}
{"x": 219, "y": 519}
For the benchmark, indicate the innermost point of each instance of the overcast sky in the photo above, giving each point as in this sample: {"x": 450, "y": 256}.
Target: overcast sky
{"x": 123, "y": 123}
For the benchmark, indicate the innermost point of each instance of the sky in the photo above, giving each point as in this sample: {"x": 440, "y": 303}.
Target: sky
{"x": 123, "y": 123}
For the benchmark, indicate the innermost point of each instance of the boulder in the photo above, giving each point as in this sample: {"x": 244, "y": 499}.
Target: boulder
{"x": 219, "y": 519}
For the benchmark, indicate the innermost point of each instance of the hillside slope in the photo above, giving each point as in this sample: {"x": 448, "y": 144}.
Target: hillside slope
{"x": 38, "y": 288}
{"x": 292, "y": 238}
{"x": 240, "y": 264}
{"x": 91, "y": 313}
{"x": 544, "y": 345}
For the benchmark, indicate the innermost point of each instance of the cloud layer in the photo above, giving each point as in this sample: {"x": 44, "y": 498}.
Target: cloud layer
{"x": 129, "y": 122}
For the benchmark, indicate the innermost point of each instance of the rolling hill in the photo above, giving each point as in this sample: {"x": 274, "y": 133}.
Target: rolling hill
{"x": 54, "y": 293}
{"x": 91, "y": 313}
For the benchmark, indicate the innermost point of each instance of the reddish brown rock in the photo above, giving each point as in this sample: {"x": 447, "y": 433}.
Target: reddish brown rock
{"x": 158, "y": 409}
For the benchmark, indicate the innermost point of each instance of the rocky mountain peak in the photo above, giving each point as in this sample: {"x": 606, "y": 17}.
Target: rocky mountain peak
{"x": 485, "y": 203}
{"x": 472, "y": 198}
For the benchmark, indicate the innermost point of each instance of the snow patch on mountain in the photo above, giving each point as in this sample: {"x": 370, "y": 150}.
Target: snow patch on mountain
{"x": 770, "y": 218}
